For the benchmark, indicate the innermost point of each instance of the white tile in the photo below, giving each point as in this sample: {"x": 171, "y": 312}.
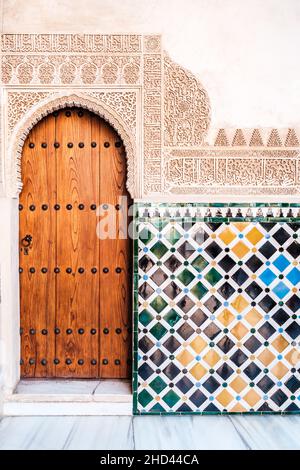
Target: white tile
{"x": 185, "y": 432}
{"x": 56, "y": 386}
{"x": 68, "y": 408}
{"x": 269, "y": 432}
{"x": 34, "y": 432}
{"x": 113, "y": 387}
{"x": 102, "y": 433}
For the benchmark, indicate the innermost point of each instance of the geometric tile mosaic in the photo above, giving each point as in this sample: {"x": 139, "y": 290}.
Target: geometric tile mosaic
{"x": 217, "y": 315}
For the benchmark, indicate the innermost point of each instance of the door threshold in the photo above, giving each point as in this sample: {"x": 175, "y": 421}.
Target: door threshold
{"x": 69, "y": 397}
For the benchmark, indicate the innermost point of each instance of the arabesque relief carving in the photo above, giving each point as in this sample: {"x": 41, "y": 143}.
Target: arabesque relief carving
{"x": 160, "y": 109}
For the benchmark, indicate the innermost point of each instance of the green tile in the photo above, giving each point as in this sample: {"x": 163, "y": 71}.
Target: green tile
{"x": 157, "y": 408}
{"x": 158, "y": 384}
{"x": 171, "y": 398}
{"x": 213, "y": 276}
{"x": 158, "y": 304}
{"x": 159, "y": 249}
{"x": 158, "y": 331}
{"x": 145, "y": 398}
{"x": 173, "y": 236}
{"x": 199, "y": 290}
{"x": 199, "y": 263}
{"x": 172, "y": 317}
{"x": 186, "y": 277}
{"x": 146, "y": 235}
{"x": 145, "y": 317}
{"x": 159, "y": 223}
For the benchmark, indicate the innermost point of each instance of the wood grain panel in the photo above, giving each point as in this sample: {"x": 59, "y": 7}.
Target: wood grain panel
{"x": 115, "y": 288}
{"x": 37, "y": 301}
{"x": 77, "y": 245}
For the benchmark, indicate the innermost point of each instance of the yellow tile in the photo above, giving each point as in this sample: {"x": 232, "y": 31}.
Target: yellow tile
{"x": 251, "y": 397}
{"x": 226, "y": 317}
{"x": 280, "y": 343}
{"x": 227, "y": 236}
{"x": 240, "y": 249}
{"x": 185, "y": 357}
{"x": 212, "y": 357}
{"x": 240, "y": 226}
{"x": 238, "y": 408}
{"x": 239, "y": 303}
{"x": 293, "y": 356}
{"x": 198, "y": 344}
{"x": 253, "y": 317}
{"x": 238, "y": 384}
{"x": 266, "y": 357}
{"x": 239, "y": 330}
{"x": 198, "y": 371}
{"x": 254, "y": 236}
{"x": 279, "y": 370}
{"x": 224, "y": 397}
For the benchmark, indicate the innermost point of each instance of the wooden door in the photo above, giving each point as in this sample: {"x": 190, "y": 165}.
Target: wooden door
{"x": 75, "y": 287}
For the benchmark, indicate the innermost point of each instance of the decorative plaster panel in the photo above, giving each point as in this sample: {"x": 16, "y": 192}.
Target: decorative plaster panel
{"x": 159, "y": 107}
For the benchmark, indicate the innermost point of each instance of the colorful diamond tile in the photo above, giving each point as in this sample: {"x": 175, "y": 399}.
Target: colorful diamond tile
{"x": 218, "y": 315}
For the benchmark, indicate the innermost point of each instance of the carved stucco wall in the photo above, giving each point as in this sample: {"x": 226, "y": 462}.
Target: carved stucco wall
{"x": 161, "y": 111}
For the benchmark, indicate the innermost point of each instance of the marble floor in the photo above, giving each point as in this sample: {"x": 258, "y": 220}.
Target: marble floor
{"x": 150, "y": 432}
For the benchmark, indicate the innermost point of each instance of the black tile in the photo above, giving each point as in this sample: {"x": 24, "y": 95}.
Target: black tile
{"x": 200, "y": 236}
{"x": 145, "y": 290}
{"x": 172, "y": 263}
{"x": 267, "y": 303}
{"x": 293, "y": 384}
{"x": 253, "y": 290}
{"x": 240, "y": 276}
{"x": 211, "y": 408}
{"x": 184, "y": 384}
{"x": 252, "y": 344}
{"x": 279, "y": 397}
{"x": 265, "y": 407}
{"x": 293, "y": 330}
{"x": 265, "y": 384}
{"x": 225, "y": 371}
{"x": 266, "y": 330}
{"x": 213, "y": 226}
{"x": 171, "y": 344}
{"x": 185, "y": 304}
{"x": 212, "y": 331}
{"x": 294, "y": 303}
{"x": 252, "y": 371}
{"x": 213, "y": 250}
{"x": 294, "y": 226}
{"x": 184, "y": 408}
{"x": 198, "y": 398}
{"x": 267, "y": 250}
{"x": 212, "y": 304}
{"x": 254, "y": 263}
{"x": 294, "y": 249}
{"x": 211, "y": 385}
{"x": 225, "y": 344}
{"x": 145, "y": 371}
{"x": 172, "y": 290}
{"x": 186, "y": 250}
{"x": 171, "y": 371}
{"x": 280, "y": 316}
{"x": 281, "y": 236}
{"x": 292, "y": 407}
{"x": 146, "y": 263}
{"x": 199, "y": 317}
{"x": 158, "y": 357}
{"x": 145, "y": 344}
{"x": 185, "y": 331}
{"x": 267, "y": 226}
{"x": 159, "y": 276}
{"x": 227, "y": 263}
{"x": 238, "y": 358}
{"x": 226, "y": 290}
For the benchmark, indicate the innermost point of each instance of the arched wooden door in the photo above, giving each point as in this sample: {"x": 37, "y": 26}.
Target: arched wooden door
{"x": 75, "y": 288}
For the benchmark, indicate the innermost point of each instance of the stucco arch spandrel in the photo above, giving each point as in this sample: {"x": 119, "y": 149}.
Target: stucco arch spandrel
{"x": 57, "y": 101}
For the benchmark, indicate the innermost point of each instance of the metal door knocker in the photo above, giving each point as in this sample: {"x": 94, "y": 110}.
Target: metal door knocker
{"x": 26, "y": 243}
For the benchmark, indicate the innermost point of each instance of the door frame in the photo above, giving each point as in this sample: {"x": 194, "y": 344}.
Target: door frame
{"x": 9, "y": 257}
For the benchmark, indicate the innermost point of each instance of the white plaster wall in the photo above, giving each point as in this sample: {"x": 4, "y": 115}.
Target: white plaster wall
{"x": 245, "y": 51}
